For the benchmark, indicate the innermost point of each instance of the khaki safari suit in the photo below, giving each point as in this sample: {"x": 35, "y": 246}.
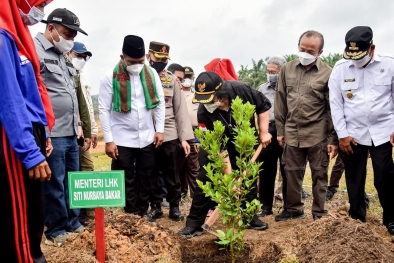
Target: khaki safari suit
{"x": 189, "y": 167}
{"x": 177, "y": 128}
{"x": 302, "y": 116}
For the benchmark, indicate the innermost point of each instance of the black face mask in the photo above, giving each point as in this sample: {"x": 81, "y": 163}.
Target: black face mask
{"x": 158, "y": 66}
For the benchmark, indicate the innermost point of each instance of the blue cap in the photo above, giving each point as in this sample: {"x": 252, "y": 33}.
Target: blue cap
{"x": 80, "y": 48}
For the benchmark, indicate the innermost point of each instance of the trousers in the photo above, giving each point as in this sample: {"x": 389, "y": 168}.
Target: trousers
{"x": 294, "y": 159}
{"x": 137, "y": 184}
{"x": 356, "y": 172}
{"x": 188, "y": 170}
{"x": 22, "y": 205}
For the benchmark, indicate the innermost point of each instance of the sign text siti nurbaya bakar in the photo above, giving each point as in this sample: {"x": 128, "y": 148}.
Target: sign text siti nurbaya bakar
{"x": 96, "y": 189}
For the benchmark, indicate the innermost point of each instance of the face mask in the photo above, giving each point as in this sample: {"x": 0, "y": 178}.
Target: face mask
{"x": 360, "y": 63}
{"x": 187, "y": 83}
{"x": 211, "y": 107}
{"x": 135, "y": 69}
{"x": 78, "y": 63}
{"x": 272, "y": 78}
{"x": 63, "y": 45}
{"x": 158, "y": 66}
{"x": 306, "y": 58}
{"x": 33, "y": 17}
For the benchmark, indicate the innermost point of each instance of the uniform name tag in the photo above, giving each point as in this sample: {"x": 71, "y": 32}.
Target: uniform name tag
{"x": 51, "y": 61}
{"x": 168, "y": 92}
{"x": 350, "y": 80}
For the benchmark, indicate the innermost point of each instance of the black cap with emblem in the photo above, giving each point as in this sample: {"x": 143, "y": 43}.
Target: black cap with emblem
{"x": 65, "y": 18}
{"x": 133, "y": 46}
{"x": 207, "y": 83}
{"x": 358, "y": 41}
{"x": 159, "y": 50}
{"x": 188, "y": 71}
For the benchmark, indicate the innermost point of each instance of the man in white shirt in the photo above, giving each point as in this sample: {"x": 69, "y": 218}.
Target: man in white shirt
{"x": 128, "y": 95}
{"x": 361, "y": 98}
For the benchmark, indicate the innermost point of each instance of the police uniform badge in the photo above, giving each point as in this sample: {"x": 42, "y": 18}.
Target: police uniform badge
{"x": 349, "y": 94}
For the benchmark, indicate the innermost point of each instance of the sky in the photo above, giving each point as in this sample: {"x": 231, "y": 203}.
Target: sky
{"x": 201, "y": 30}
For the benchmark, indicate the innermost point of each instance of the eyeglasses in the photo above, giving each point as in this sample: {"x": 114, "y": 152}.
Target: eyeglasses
{"x": 272, "y": 72}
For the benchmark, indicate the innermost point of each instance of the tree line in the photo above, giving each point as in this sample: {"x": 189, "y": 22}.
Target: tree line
{"x": 256, "y": 75}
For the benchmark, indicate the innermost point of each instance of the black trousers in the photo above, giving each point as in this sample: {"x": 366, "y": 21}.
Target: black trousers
{"x": 22, "y": 205}
{"x": 201, "y": 203}
{"x": 269, "y": 158}
{"x": 356, "y": 172}
{"x": 166, "y": 158}
{"x": 137, "y": 184}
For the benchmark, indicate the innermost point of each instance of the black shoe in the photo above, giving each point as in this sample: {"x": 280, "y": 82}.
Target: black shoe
{"x": 366, "y": 198}
{"x": 330, "y": 194}
{"x": 148, "y": 217}
{"x": 257, "y": 224}
{"x": 155, "y": 212}
{"x": 183, "y": 195}
{"x": 190, "y": 232}
{"x": 165, "y": 204}
{"x": 305, "y": 194}
{"x": 390, "y": 228}
{"x": 175, "y": 214}
{"x": 316, "y": 218}
{"x": 285, "y": 215}
{"x": 264, "y": 213}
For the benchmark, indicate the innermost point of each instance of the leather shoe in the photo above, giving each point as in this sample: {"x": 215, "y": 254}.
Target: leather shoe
{"x": 175, "y": 214}
{"x": 190, "y": 231}
{"x": 257, "y": 224}
{"x": 390, "y": 228}
{"x": 264, "y": 213}
{"x": 285, "y": 215}
{"x": 156, "y": 212}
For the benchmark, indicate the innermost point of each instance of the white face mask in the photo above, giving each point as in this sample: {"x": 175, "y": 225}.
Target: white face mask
{"x": 361, "y": 62}
{"x": 34, "y": 16}
{"x": 272, "y": 78}
{"x": 135, "y": 69}
{"x": 63, "y": 45}
{"x": 79, "y": 64}
{"x": 187, "y": 83}
{"x": 211, "y": 107}
{"x": 306, "y": 58}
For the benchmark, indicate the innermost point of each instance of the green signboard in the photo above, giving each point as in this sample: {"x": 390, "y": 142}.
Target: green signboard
{"x": 96, "y": 189}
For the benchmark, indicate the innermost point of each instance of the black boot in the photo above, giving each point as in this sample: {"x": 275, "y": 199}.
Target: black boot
{"x": 175, "y": 214}
{"x": 155, "y": 211}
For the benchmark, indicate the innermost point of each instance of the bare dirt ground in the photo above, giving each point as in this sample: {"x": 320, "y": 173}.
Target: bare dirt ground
{"x": 334, "y": 238}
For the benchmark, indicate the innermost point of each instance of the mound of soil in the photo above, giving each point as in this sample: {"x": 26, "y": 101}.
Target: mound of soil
{"x": 338, "y": 238}
{"x": 202, "y": 251}
{"x": 128, "y": 239}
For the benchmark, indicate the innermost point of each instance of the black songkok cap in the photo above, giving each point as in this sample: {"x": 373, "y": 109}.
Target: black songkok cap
{"x": 207, "y": 83}
{"x": 358, "y": 41}
{"x": 133, "y": 46}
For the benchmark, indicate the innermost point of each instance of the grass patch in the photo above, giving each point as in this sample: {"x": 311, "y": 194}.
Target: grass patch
{"x": 101, "y": 162}
{"x": 375, "y": 210}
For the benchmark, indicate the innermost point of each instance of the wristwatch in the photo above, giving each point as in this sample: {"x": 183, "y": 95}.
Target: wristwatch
{"x": 80, "y": 123}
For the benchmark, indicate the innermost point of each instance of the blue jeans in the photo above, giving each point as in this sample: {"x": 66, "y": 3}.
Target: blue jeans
{"x": 59, "y": 217}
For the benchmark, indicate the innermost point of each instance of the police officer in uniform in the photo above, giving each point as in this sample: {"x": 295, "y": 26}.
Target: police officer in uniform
{"x": 362, "y": 104}
{"x": 177, "y": 130}
{"x": 216, "y": 90}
